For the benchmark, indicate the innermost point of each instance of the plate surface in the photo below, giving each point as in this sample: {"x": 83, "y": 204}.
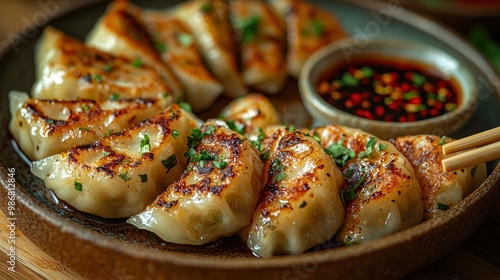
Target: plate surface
{"x": 112, "y": 249}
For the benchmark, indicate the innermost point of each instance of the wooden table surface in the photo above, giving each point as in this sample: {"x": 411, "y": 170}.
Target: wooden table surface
{"x": 477, "y": 258}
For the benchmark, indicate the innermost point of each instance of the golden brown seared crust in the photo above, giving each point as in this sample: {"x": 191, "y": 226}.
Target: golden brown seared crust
{"x": 81, "y": 113}
{"x": 113, "y": 161}
{"x": 251, "y": 113}
{"x": 263, "y": 49}
{"x": 121, "y": 31}
{"x": 285, "y": 155}
{"x": 380, "y": 190}
{"x": 300, "y": 204}
{"x": 119, "y": 175}
{"x": 220, "y": 147}
{"x": 46, "y": 127}
{"x": 177, "y": 47}
{"x": 97, "y": 74}
{"x": 425, "y": 154}
{"x": 309, "y": 28}
{"x": 208, "y": 21}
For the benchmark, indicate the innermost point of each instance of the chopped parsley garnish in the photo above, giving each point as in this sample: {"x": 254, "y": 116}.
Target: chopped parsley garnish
{"x": 237, "y": 127}
{"x": 107, "y": 68}
{"x": 206, "y": 8}
{"x": 258, "y": 143}
{"x": 185, "y": 39}
{"x": 316, "y": 137}
{"x": 97, "y": 78}
{"x": 350, "y": 191}
{"x": 170, "y": 162}
{"x": 368, "y": 148}
{"x": 277, "y": 167}
{"x": 248, "y": 27}
{"x": 200, "y": 158}
{"x": 264, "y": 156}
{"x": 290, "y": 128}
{"x": 160, "y": 47}
{"x": 303, "y": 204}
{"x": 145, "y": 146}
{"x": 195, "y": 137}
{"x": 221, "y": 164}
{"x": 50, "y": 121}
{"x": 442, "y": 206}
{"x": 78, "y": 186}
{"x": 85, "y": 107}
{"x": 442, "y": 141}
{"x": 109, "y": 132}
{"x": 209, "y": 130}
{"x": 318, "y": 27}
{"x": 339, "y": 153}
{"x": 185, "y": 106}
{"x": 125, "y": 176}
{"x": 381, "y": 146}
{"x": 166, "y": 94}
{"x": 175, "y": 133}
{"x": 105, "y": 154}
{"x": 137, "y": 63}
{"x": 115, "y": 96}
{"x": 144, "y": 178}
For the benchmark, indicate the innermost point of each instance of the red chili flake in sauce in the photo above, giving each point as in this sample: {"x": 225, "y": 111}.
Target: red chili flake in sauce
{"x": 390, "y": 91}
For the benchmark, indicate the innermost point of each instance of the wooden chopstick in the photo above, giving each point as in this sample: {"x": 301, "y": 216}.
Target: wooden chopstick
{"x": 472, "y": 150}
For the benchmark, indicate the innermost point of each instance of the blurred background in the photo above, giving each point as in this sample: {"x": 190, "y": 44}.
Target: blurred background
{"x": 477, "y": 20}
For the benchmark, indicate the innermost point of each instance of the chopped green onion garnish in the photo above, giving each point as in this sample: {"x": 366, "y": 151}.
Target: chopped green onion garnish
{"x": 170, "y": 162}
{"x": 175, "y": 133}
{"x": 442, "y": 140}
{"x": 78, "y": 186}
{"x": 145, "y": 146}
{"x": 114, "y": 97}
{"x": 125, "y": 176}
{"x": 144, "y": 178}
{"x": 137, "y": 63}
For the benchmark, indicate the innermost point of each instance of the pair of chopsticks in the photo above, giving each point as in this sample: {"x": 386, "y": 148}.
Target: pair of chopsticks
{"x": 472, "y": 150}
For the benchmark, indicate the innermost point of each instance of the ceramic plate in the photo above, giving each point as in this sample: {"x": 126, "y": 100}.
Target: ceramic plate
{"x": 112, "y": 249}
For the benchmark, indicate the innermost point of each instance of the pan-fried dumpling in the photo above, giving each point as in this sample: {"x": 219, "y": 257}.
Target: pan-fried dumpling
{"x": 69, "y": 70}
{"x": 209, "y": 23}
{"x": 46, "y": 127}
{"x": 380, "y": 190}
{"x": 215, "y": 197}
{"x": 119, "y": 175}
{"x": 309, "y": 28}
{"x": 440, "y": 190}
{"x": 121, "y": 31}
{"x": 262, "y": 36}
{"x": 300, "y": 204}
{"x": 176, "y": 45}
{"x": 250, "y": 113}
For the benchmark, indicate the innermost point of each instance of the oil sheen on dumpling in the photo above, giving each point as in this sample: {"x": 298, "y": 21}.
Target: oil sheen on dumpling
{"x": 209, "y": 23}
{"x": 380, "y": 190}
{"x": 121, "y": 31}
{"x": 262, "y": 36}
{"x": 300, "y": 205}
{"x": 440, "y": 190}
{"x": 215, "y": 197}
{"x": 119, "y": 175}
{"x": 43, "y": 128}
{"x": 309, "y": 28}
{"x": 69, "y": 70}
{"x": 250, "y": 113}
{"x": 176, "y": 45}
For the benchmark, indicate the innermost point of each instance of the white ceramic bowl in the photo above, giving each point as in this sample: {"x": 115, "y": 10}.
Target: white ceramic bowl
{"x": 343, "y": 51}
